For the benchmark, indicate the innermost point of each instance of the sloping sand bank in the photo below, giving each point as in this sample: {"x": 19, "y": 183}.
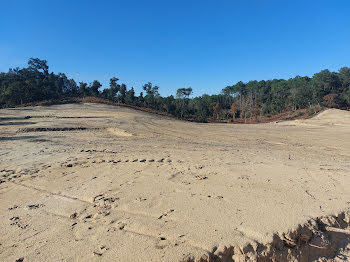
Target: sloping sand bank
{"x": 93, "y": 182}
{"x": 330, "y": 114}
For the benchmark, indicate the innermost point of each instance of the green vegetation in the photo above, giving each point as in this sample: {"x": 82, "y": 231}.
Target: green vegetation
{"x": 252, "y": 100}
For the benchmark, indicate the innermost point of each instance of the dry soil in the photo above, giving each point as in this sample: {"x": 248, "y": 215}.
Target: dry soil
{"x": 91, "y": 182}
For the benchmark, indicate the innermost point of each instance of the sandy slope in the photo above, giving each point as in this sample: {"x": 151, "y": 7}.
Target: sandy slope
{"x": 332, "y": 114}
{"x": 103, "y": 183}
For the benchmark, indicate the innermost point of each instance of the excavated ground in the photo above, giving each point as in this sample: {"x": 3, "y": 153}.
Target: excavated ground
{"x": 91, "y": 182}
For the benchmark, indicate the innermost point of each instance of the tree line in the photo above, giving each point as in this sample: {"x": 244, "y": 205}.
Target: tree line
{"x": 251, "y": 100}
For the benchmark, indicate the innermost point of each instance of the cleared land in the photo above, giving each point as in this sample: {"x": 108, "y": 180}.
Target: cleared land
{"x": 90, "y": 182}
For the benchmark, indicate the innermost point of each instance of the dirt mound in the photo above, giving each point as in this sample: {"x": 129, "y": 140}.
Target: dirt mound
{"x": 330, "y": 114}
{"x": 118, "y": 132}
{"x": 320, "y": 238}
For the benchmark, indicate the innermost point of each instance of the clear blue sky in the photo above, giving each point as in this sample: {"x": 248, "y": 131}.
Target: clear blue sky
{"x": 180, "y": 43}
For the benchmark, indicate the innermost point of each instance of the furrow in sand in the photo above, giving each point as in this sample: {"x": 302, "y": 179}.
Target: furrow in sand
{"x": 52, "y": 193}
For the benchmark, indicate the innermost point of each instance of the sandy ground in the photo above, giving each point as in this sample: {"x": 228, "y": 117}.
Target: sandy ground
{"x": 101, "y": 183}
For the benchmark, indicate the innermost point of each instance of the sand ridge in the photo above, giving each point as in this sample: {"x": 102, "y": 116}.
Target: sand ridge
{"x": 132, "y": 186}
{"x": 333, "y": 114}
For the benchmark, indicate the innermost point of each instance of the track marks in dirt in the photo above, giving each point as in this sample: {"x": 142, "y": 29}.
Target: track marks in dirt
{"x": 52, "y": 193}
{"x": 166, "y": 213}
{"x": 53, "y": 129}
{"x": 17, "y": 221}
{"x": 7, "y": 175}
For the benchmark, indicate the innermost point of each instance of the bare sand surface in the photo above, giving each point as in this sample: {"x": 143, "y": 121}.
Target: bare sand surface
{"x": 90, "y": 182}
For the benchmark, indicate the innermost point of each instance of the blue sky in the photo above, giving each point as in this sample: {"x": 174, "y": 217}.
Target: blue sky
{"x": 205, "y": 45}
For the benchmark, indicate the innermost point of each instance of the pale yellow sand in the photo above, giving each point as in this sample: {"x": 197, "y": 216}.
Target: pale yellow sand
{"x": 124, "y": 185}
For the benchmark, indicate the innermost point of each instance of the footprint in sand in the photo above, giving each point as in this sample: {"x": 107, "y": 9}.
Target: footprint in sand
{"x": 101, "y": 208}
{"x": 100, "y": 251}
{"x": 166, "y": 213}
{"x": 13, "y": 207}
{"x": 34, "y": 206}
{"x": 18, "y": 222}
{"x": 201, "y": 177}
{"x": 121, "y": 225}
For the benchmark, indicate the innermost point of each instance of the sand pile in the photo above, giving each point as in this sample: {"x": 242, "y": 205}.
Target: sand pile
{"x": 330, "y": 114}
{"x": 118, "y": 132}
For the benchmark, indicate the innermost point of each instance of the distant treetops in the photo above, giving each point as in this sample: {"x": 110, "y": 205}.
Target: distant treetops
{"x": 251, "y": 100}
